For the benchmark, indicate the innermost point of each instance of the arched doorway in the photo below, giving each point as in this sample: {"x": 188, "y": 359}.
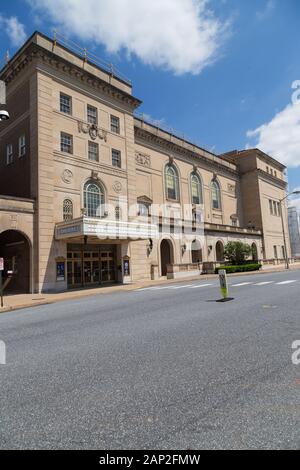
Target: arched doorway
{"x": 196, "y": 252}
{"x": 219, "y": 251}
{"x": 15, "y": 249}
{"x": 254, "y": 252}
{"x": 166, "y": 255}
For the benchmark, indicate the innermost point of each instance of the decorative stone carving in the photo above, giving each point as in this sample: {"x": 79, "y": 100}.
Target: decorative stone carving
{"x": 117, "y": 187}
{"x": 171, "y": 159}
{"x": 93, "y": 131}
{"x": 67, "y": 176}
{"x": 231, "y": 188}
{"x": 94, "y": 175}
{"x": 142, "y": 159}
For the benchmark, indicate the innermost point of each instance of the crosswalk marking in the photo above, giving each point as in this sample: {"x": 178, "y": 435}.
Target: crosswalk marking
{"x": 265, "y": 283}
{"x": 285, "y": 282}
{"x": 242, "y": 284}
{"x": 200, "y": 285}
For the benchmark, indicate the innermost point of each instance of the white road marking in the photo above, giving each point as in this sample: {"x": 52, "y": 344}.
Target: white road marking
{"x": 264, "y": 283}
{"x": 285, "y": 282}
{"x": 241, "y": 284}
{"x": 201, "y": 285}
{"x": 181, "y": 287}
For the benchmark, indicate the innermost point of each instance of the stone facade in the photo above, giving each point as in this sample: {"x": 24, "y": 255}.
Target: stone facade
{"x": 67, "y": 248}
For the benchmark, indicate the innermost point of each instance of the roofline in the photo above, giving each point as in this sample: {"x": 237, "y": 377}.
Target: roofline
{"x": 36, "y": 32}
{"x": 254, "y": 149}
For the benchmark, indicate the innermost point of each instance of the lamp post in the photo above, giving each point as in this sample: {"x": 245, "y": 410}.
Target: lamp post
{"x": 287, "y": 263}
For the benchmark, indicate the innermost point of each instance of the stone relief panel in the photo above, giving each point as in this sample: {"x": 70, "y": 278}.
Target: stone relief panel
{"x": 143, "y": 159}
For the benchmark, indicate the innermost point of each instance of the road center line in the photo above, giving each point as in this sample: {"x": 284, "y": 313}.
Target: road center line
{"x": 285, "y": 282}
{"x": 201, "y": 285}
{"x": 264, "y": 283}
{"x": 241, "y": 284}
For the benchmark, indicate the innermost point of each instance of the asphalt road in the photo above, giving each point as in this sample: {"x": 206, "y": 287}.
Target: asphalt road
{"x": 156, "y": 369}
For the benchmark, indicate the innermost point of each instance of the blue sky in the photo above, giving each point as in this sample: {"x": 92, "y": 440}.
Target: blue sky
{"x": 215, "y": 70}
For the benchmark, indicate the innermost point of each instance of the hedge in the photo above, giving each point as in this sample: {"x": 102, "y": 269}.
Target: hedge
{"x": 240, "y": 269}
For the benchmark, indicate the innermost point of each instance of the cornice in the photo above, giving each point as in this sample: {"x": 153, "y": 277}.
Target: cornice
{"x": 35, "y": 52}
{"x": 171, "y": 147}
{"x": 271, "y": 179}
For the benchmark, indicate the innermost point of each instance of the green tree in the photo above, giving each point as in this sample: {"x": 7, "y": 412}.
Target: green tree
{"x": 237, "y": 252}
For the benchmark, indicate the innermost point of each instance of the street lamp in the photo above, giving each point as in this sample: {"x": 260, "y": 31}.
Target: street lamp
{"x": 287, "y": 263}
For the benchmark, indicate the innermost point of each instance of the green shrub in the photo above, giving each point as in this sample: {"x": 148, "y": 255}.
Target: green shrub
{"x": 240, "y": 269}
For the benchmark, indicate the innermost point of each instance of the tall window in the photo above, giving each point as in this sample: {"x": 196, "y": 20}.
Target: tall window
{"x": 172, "y": 183}
{"x": 215, "y": 195}
{"x": 22, "y": 145}
{"x": 66, "y": 142}
{"x": 93, "y": 152}
{"x": 9, "y": 154}
{"x": 115, "y": 124}
{"x": 93, "y": 196}
{"x": 275, "y": 252}
{"x": 118, "y": 213}
{"x": 271, "y": 206}
{"x": 65, "y": 104}
{"x": 196, "y": 188}
{"x": 92, "y": 115}
{"x": 67, "y": 210}
{"x": 116, "y": 158}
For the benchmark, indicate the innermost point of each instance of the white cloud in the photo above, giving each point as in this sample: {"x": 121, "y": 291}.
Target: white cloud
{"x": 178, "y": 35}
{"x": 281, "y": 136}
{"x": 14, "y": 29}
{"x": 266, "y": 11}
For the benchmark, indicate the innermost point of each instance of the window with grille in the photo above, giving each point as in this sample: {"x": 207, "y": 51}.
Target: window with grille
{"x": 93, "y": 152}
{"x": 9, "y": 154}
{"x": 216, "y": 195}
{"x": 66, "y": 143}
{"x": 196, "y": 189}
{"x": 118, "y": 213}
{"x": 116, "y": 158}
{"x": 22, "y": 146}
{"x": 92, "y": 115}
{"x": 67, "y": 210}
{"x": 172, "y": 183}
{"x": 65, "y": 104}
{"x": 93, "y": 199}
{"x": 115, "y": 124}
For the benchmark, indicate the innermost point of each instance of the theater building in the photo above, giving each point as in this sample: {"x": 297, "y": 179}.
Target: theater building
{"x": 92, "y": 195}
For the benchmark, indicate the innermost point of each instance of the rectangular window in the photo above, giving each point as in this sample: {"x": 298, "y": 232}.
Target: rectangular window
{"x": 115, "y": 124}
{"x": 275, "y": 173}
{"x": 271, "y": 206}
{"x": 267, "y": 168}
{"x": 9, "y": 154}
{"x": 116, "y": 158}
{"x": 275, "y": 208}
{"x": 275, "y": 252}
{"x": 93, "y": 152}
{"x": 92, "y": 115}
{"x": 66, "y": 143}
{"x": 278, "y": 208}
{"x": 65, "y": 104}
{"x": 22, "y": 146}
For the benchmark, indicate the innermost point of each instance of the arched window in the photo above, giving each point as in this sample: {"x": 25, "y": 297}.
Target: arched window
{"x": 196, "y": 189}
{"x": 67, "y": 210}
{"x": 93, "y": 196}
{"x": 172, "y": 183}
{"x": 215, "y": 195}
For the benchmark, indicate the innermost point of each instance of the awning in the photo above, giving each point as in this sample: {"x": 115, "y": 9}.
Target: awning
{"x": 105, "y": 229}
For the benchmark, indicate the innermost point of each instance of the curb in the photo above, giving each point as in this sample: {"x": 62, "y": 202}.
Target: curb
{"x": 134, "y": 286}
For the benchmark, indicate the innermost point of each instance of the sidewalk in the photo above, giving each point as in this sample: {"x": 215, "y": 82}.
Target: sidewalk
{"x": 15, "y": 302}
